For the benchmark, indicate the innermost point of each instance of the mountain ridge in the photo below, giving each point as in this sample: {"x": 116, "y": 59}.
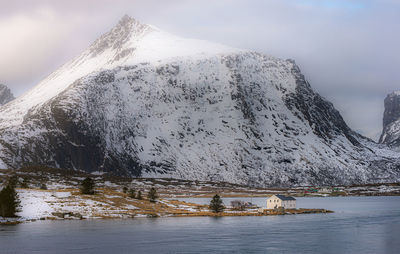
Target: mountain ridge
{"x": 189, "y": 109}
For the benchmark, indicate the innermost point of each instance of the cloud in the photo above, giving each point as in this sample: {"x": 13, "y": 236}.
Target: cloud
{"x": 42, "y": 35}
{"x": 30, "y": 43}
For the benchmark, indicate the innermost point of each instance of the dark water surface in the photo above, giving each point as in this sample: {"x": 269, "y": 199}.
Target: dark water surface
{"x": 359, "y": 225}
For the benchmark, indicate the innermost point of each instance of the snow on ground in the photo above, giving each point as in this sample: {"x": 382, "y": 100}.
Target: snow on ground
{"x": 62, "y": 194}
{"x": 2, "y": 165}
{"x": 112, "y": 196}
{"x": 54, "y": 186}
{"x": 35, "y": 204}
{"x": 50, "y": 204}
{"x": 97, "y": 173}
{"x": 110, "y": 184}
{"x": 131, "y": 207}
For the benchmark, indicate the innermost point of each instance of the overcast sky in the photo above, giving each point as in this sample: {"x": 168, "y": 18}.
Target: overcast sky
{"x": 349, "y": 50}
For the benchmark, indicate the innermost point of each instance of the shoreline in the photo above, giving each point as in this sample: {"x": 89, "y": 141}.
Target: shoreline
{"x": 109, "y": 203}
{"x": 270, "y": 212}
{"x": 54, "y": 194}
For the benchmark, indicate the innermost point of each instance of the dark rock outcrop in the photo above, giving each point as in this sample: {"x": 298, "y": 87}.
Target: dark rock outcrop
{"x": 391, "y": 119}
{"x": 5, "y": 95}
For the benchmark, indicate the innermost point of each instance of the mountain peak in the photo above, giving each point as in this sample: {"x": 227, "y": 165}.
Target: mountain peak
{"x": 119, "y": 35}
{"x": 129, "y": 42}
{"x": 127, "y": 20}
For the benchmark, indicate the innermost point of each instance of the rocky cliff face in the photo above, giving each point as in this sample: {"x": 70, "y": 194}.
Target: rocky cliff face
{"x": 391, "y": 120}
{"x": 172, "y": 107}
{"x": 5, "y": 95}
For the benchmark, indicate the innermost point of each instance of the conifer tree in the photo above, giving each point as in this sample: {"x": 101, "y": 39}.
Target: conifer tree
{"x": 13, "y": 181}
{"x": 216, "y": 204}
{"x": 87, "y": 186}
{"x": 9, "y": 201}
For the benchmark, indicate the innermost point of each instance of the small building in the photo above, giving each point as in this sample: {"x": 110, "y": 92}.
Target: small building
{"x": 238, "y": 205}
{"x": 276, "y": 201}
{"x": 241, "y": 205}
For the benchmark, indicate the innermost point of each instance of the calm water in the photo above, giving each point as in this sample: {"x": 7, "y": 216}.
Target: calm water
{"x": 360, "y": 225}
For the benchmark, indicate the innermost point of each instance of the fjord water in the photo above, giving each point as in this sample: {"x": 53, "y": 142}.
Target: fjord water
{"x": 359, "y": 225}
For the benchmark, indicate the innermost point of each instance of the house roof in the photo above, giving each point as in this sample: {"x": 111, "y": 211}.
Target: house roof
{"x": 282, "y": 197}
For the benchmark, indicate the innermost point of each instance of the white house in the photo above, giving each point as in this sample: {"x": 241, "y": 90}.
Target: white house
{"x": 276, "y": 201}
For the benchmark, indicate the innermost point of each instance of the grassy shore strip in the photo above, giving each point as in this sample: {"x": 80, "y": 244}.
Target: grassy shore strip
{"x": 267, "y": 213}
{"x": 110, "y": 203}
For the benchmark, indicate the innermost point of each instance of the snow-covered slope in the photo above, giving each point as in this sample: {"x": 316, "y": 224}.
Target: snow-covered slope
{"x": 128, "y": 43}
{"x": 391, "y": 120}
{"x": 5, "y": 95}
{"x": 142, "y": 102}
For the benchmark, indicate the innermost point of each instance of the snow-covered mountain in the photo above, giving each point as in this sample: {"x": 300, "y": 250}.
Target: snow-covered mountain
{"x": 5, "y": 95}
{"x": 142, "y": 102}
{"x": 391, "y": 120}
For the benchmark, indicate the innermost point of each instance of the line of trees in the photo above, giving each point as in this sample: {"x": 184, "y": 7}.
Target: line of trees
{"x": 151, "y": 195}
{"x": 88, "y": 185}
{"x": 132, "y": 193}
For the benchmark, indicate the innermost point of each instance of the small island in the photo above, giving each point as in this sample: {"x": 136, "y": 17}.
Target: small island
{"x": 54, "y": 194}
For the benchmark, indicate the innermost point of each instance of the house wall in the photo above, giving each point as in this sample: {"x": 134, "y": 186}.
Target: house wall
{"x": 289, "y": 204}
{"x": 274, "y": 202}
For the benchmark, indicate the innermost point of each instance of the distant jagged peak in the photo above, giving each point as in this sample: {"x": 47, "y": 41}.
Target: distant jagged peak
{"x": 395, "y": 93}
{"x": 126, "y": 29}
{"x": 5, "y": 95}
{"x": 391, "y": 118}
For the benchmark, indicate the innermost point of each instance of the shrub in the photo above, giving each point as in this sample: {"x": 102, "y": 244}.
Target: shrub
{"x": 25, "y": 183}
{"x": 132, "y": 193}
{"x": 152, "y": 195}
{"x": 139, "y": 195}
{"x": 238, "y": 205}
{"x": 125, "y": 189}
